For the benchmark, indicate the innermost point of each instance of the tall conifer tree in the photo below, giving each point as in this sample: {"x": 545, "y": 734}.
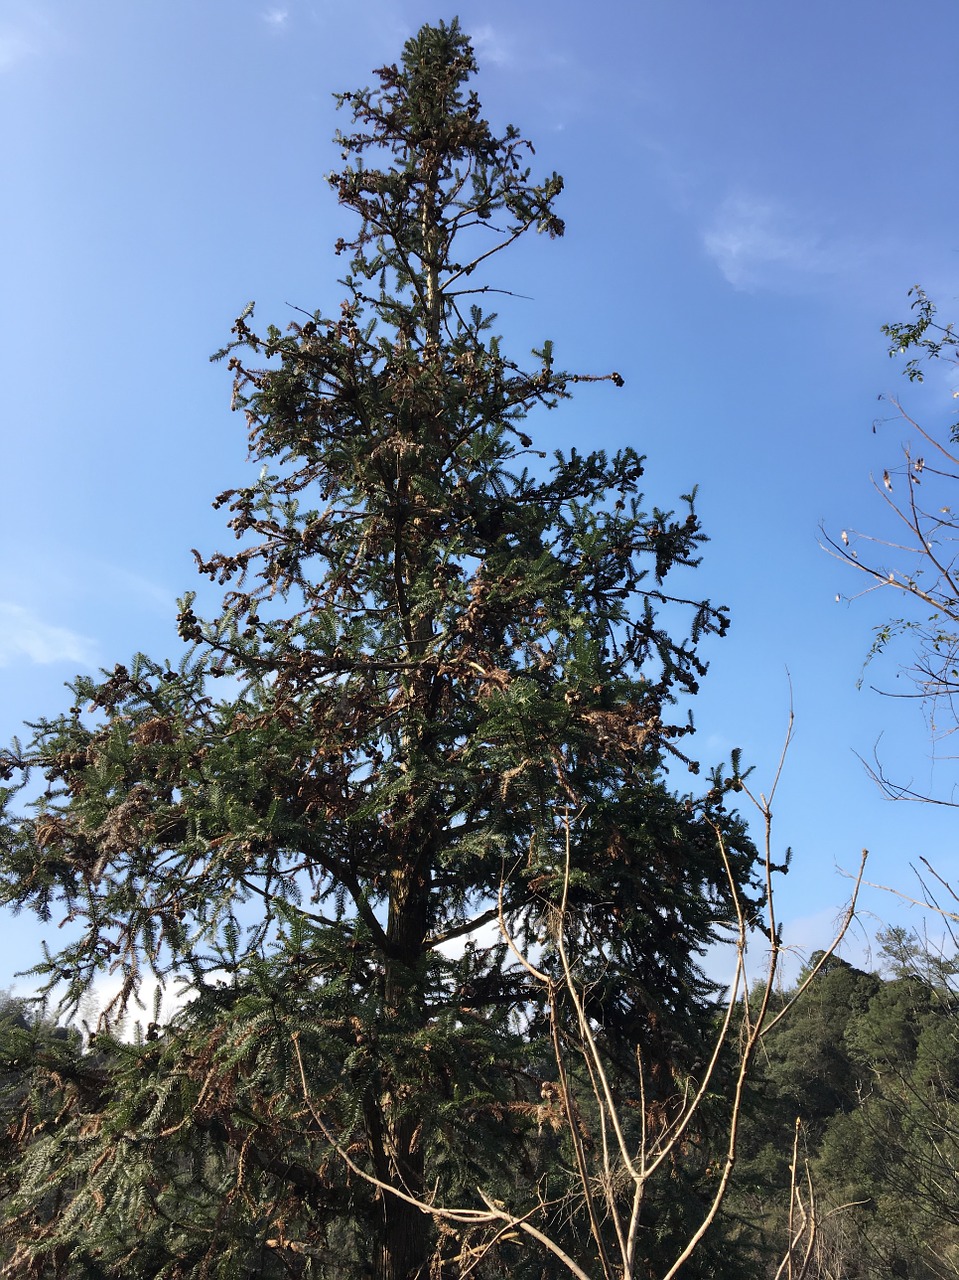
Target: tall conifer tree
{"x": 439, "y": 646}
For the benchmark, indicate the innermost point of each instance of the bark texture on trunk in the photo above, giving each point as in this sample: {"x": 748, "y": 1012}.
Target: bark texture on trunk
{"x": 402, "y": 1253}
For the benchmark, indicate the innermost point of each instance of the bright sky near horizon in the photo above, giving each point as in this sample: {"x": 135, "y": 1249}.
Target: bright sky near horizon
{"x": 751, "y": 189}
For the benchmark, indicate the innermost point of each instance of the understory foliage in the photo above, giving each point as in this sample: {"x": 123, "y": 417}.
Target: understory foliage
{"x": 435, "y": 708}
{"x": 869, "y": 1067}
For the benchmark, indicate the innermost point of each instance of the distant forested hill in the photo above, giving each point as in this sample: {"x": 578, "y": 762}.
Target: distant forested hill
{"x": 869, "y": 1068}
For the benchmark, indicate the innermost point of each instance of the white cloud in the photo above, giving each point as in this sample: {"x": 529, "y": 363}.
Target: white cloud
{"x": 483, "y": 936}
{"x": 159, "y": 599}
{"x": 489, "y": 46}
{"x": 24, "y": 636}
{"x": 276, "y": 17}
{"x": 757, "y": 243}
{"x": 25, "y": 31}
{"x": 14, "y": 47}
{"x": 802, "y": 936}
{"x": 526, "y": 46}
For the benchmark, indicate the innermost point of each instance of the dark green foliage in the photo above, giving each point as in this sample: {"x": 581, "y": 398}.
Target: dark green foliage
{"x": 808, "y": 1059}
{"x": 438, "y": 646}
{"x": 870, "y": 1067}
{"x": 45, "y": 1077}
{"x": 898, "y": 1151}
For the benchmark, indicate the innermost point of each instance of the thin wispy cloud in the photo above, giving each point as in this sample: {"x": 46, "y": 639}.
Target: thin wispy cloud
{"x": 485, "y": 935}
{"x": 560, "y": 88}
{"x": 25, "y": 637}
{"x": 757, "y": 243}
{"x": 519, "y": 46}
{"x": 490, "y": 47}
{"x": 276, "y": 17}
{"x": 14, "y": 49}
{"x": 159, "y": 599}
{"x": 802, "y": 937}
{"x": 27, "y": 29}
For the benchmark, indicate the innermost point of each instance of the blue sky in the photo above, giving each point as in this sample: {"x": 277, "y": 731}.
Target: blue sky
{"x": 751, "y": 190}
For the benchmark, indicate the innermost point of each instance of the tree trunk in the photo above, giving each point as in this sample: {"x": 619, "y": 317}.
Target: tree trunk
{"x": 402, "y": 1252}
{"x": 404, "y": 1245}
